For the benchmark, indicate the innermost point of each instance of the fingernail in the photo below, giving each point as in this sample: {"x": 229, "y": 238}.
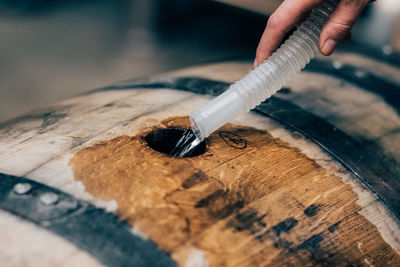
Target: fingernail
{"x": 328, "y": 47}
{"x": 255, "y": 63}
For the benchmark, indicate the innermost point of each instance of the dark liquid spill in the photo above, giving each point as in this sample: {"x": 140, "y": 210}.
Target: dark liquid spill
{"x": 176, "y": 142}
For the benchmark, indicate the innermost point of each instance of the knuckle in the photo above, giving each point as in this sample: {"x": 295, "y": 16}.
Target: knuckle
{"x": 273, "y": 22}
{"x": 340, "y": 27}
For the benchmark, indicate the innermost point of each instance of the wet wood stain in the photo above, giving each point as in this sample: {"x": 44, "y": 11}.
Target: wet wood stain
{"x": 259, "y": 204}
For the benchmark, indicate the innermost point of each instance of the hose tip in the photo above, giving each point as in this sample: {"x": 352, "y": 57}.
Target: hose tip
{"x": 195, "y": 128}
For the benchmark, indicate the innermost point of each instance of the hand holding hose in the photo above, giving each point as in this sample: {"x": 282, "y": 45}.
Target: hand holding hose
{"x": 292, "y": 12}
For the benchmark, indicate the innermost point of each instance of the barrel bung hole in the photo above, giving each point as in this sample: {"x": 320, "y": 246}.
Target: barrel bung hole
{"x": 164, "y": 141}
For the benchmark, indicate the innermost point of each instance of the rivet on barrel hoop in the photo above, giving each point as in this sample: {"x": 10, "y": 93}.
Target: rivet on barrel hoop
{"x": 360, "y": 74}
{"x": 387, "y": 50}
{"x": 337, "y": 65}
{"x": 49, "y": 198}
{"x": 22, "y": 188}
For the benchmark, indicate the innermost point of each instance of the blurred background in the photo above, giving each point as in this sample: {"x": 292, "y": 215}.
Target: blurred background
{"x": 53, "y": 49}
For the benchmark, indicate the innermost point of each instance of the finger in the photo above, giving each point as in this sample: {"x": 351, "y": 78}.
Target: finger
{"x": 279, "y": 23}
{"x": 339, "y": 24}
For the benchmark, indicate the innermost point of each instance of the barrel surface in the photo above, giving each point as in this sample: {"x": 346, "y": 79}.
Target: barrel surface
{"x": 310, "y": 177}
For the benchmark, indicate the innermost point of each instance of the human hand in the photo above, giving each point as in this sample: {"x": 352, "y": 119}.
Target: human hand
{"x": 292, "y": 12}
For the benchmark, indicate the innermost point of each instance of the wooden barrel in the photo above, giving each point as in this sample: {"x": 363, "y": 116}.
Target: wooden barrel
{"x": 310, "y": 177}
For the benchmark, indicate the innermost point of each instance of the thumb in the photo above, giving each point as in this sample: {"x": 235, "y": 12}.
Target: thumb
{"x": 339, "y": 24}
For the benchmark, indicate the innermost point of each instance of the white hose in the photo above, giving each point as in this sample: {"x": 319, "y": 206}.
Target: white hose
{"x": 267, "y": 78}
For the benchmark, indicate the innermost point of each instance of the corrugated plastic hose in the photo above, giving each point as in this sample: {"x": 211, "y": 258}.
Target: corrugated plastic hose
{"x": 267, "y": 78}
